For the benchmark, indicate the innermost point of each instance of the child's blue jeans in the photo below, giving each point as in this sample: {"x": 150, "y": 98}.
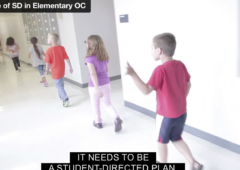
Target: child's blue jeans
{"x": 60, "y": 86}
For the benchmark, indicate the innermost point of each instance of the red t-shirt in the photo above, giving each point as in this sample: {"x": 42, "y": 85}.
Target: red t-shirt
{"x": 170, "y": 81}
{"x": 55, "y": 56}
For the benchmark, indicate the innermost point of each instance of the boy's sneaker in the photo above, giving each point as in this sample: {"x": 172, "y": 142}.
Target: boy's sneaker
{"x": 65, "y": 103}
{"x": 118, "y": 124}
{"x": 98, "y": 125}
{"x": 46, "y": 85}
{"x": 19, "y": 69}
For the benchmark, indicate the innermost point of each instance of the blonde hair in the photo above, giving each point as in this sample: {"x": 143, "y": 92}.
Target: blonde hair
{"x": 54, "y": 36}
{"x": 96, "y": 47}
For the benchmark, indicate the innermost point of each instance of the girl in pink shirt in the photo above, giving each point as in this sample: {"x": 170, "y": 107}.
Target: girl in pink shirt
{"x": 13, "y": 48}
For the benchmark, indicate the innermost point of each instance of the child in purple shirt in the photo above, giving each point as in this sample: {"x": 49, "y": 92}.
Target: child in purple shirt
{"x": 101, "y": 71}
{"x": 99, "y": 83}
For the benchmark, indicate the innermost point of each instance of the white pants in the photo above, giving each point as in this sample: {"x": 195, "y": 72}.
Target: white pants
{"x": 105, "y": 100}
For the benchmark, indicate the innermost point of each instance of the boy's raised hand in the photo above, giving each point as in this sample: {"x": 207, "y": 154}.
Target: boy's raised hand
{"x": 130, "y": 70}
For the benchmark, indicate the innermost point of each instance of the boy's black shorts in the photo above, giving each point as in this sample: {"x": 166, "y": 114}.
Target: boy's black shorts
{"x": 171, "y": 129}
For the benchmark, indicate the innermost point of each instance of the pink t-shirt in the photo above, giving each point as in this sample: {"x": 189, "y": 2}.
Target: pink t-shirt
{"x": 13, "y": 47}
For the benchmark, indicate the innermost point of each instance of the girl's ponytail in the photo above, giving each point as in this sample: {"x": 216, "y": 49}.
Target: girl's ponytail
{"x": 34, "y": 41}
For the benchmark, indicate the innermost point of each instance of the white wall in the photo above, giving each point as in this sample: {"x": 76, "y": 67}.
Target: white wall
{"x": 11, "y": 24}
{"x": 207, "y": 35}
{"x": 100, "y": 21}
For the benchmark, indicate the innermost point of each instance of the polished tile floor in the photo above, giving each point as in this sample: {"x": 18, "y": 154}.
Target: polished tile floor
{"x": 35, "y": 128}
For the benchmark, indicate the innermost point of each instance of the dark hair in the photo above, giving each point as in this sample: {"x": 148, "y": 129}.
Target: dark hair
{"x": 166, "y": 42}
{"x": 34, "y": 42}
{"x": 10, "y": 41}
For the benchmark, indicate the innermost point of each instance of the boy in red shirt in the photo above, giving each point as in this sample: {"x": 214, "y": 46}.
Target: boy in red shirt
{"x": 55, "y": 57}
{"x": 171, "y": 81}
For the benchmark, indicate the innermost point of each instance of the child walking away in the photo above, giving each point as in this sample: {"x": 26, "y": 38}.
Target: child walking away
{"x": 2, "y": 57}
{"x": 37, "y": 52}
{"x": 55, "y": 57}
{"x": 99, "y": 82}
{"x": 171, "y": 81}
{"x": 13, "y": 48}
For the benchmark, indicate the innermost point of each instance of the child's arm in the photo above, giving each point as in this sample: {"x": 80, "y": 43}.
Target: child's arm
{"x": 188, "y": 87}
{"x": 43, "y": 53}
{"x": 94, "y": 78}
{"x": 7, "y": 49}
{"x": 18, "y": 48}
{"x": 143, "y": 87}
{"x": 93, "y": 74}
{"x": 70, "y": 65}
{"x": 68, "y": 61}
{"x": 29, "y": 55}
{"x": 47, "y": 68}
{"x": 48, "y": 61}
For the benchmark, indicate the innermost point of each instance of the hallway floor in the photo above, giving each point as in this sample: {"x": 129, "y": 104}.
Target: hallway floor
{"x": 35, "y": 128}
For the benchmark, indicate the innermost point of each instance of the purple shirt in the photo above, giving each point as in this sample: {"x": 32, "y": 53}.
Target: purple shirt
{"x": 101, "y": 71}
